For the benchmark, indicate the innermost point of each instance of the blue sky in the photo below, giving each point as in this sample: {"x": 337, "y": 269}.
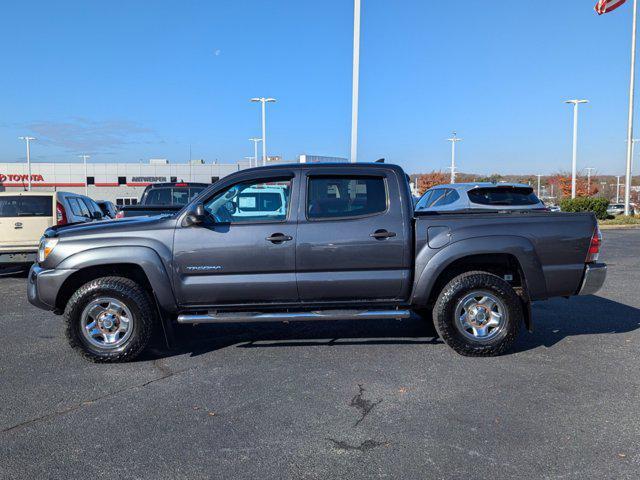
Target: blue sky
{"x": 131, "y": 80}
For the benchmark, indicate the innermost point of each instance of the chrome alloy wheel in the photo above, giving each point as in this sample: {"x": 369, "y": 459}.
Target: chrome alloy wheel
{"x": 480, "y": 316}
{"x": 106, "y": 323}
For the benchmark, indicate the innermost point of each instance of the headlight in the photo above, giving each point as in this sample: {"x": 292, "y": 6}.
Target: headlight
{"x": 46, "y": 247}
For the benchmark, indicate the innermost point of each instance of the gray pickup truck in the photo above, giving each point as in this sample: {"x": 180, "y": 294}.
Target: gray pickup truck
{"x": 311, "y": 242}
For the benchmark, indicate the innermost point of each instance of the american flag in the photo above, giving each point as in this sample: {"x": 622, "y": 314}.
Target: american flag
{"x": 606, "y": 6}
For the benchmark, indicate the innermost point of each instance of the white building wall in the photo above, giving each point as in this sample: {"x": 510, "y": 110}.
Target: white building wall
{"x": 111, "y": 180}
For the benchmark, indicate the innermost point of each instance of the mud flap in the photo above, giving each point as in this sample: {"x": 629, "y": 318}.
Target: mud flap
{"x": 528, "y": 316}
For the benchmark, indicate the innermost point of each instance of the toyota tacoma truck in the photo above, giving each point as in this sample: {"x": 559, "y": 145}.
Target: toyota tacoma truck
{"x": 311, "y": 242}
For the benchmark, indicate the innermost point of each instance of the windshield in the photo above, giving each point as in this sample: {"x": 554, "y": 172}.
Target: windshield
{"x": 171, "y": 195}
{"x": 507, "y": 196}
{"x": 26, "y": 206}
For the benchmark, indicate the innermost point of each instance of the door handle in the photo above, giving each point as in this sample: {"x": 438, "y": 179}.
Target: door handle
{"x": 382, "y": 234}
{"x": 279, "y": 238}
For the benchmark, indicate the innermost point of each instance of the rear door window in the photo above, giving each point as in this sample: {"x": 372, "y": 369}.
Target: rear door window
{"x": 26, "y": 206}
{"x": 503, "y": 196}
{"x": 348, "y": 196}
{"x": 447, "y": 198}
{"x": 78, "y": 207}
{"x": 424, "y": 201}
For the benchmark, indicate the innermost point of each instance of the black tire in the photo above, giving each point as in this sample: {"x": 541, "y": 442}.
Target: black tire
{"x": 444, "y": 314}
{"x": 126, "y": 291}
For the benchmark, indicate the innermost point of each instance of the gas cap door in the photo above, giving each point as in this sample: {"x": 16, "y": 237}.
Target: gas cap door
{"x": 438, "y": 237}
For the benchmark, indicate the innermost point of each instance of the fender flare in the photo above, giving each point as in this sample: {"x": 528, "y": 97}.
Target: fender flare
{"x": 433, "y": 263}
{"x": 144, "y": 257}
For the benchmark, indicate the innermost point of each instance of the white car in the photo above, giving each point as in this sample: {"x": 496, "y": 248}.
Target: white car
{"x": 485, "y": 196}
{"x": 24, "y": 216}
{"x": 270, "y": 201}
{"x": 618, "y": 209}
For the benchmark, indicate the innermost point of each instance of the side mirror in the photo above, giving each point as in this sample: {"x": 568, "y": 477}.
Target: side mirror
{"x": 195, "y": 216}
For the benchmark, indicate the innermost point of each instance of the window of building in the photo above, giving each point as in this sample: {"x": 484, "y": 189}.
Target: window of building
{"x": 348, "y": 196}
{"x": 214, "y": 179}
{"x": 174, "y": 179}
{"x": 91, "y": 180}
{"x": 120, "y": 201}
{"x": 122, "y": 180}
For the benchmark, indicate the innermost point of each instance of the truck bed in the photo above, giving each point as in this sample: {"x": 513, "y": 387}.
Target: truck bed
{"x": 549, "y": 247}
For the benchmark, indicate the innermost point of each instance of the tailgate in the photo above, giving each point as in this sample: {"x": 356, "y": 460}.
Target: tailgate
{"x": 23, "y": 220}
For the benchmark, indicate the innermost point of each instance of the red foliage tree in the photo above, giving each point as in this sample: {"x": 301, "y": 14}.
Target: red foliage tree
{"x": 428, "y": 180}
{"x": 562, "y": 181}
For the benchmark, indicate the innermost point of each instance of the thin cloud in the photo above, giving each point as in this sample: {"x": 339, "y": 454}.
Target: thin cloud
{"x": 83, "y": 134}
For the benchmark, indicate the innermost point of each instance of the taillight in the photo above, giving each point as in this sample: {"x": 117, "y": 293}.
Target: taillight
{"x": 61, "y": 214}
{"x": 594, "y": 246}
{"x": 120, "y": 214}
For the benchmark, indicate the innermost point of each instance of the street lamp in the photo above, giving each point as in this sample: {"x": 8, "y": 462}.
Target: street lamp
{"x": 264, "y": 101}
{"x": 574, "y": 164}
{"x": 454, "y": 139}
{"x": 255, "y": 148}
{"x": 355, "y": 79}
{"x": 539, "y": 176}
{"x": 28, "y": 140}
{"x": 589, "y": 170}
{"x": 618, "y": 184}
{"x": 86, "y": 181}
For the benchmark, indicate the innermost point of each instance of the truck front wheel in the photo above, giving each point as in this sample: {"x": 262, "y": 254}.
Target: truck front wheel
{"x": 478, "y": 314}
{"x": 110, "y": 319}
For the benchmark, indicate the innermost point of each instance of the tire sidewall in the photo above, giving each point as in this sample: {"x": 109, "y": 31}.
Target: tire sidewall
{"x": 445, "y": 318}
{"x": 128, "y": 293}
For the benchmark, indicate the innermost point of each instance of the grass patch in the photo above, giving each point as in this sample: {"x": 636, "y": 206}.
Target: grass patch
{"x": 622, "y": 220}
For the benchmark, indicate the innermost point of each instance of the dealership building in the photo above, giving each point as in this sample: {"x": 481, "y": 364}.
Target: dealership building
{"x": 121, "y": 183}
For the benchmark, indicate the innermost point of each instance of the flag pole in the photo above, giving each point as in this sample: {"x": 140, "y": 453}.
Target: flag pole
{"x": 627, "y": 183}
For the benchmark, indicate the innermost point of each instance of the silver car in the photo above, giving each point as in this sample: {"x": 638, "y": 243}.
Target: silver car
{"x": 485, "y": 196}
{"x": 618, "y": 209}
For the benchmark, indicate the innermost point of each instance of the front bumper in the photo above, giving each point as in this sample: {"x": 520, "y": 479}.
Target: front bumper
{"x": 43, "y": 286}
{"x": 594, "y": 276}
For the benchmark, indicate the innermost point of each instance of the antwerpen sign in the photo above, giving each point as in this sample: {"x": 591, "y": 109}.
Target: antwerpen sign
{"x": 20, "y": 178}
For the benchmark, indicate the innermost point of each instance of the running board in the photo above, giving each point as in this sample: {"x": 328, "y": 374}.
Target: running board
{"x": 249, "y": 317}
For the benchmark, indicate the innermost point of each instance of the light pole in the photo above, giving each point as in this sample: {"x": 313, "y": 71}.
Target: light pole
{"x": 355, "y": 81}
{"x": 255, "y": 141}
{"x": 618, "y": 188}
{"x": 86, "y": 182}
{"x": 589, "y": 170}
{"x": 574, "y": 164}
{"x": 264, "y": 101}
{"x": 28, "y": 140}
{"x": 454, "y": 139}
{"x": 539, "y": 176}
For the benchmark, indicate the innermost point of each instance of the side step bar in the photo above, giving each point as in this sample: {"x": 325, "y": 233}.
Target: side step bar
{"x": 248, "y": 317}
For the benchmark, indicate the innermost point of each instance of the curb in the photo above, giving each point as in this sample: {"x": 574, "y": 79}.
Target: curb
{"x": 619, "y": 227}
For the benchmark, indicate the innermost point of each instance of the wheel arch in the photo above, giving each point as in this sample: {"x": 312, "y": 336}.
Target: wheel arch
{"x": 496, "y": 254}
{"x": 140, "y": 264}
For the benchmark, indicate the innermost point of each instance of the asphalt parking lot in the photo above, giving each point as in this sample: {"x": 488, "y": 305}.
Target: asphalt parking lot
{"x": 379, "y": 399}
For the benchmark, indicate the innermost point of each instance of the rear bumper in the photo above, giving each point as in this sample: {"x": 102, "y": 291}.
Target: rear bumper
{"x": 43, "y": 286}
{"x": 594, "y": 276}
{"x": 17, "y": 258}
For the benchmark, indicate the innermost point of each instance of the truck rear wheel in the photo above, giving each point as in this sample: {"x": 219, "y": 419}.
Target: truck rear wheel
{"x": 478, "y": 314}
{"x": 110, "y": 319}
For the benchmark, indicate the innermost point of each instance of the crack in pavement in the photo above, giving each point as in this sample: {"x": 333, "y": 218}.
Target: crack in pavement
{"x": 165, "y": 371}
{"x": 365, "y": 406}
{"x": 363, "y": 447}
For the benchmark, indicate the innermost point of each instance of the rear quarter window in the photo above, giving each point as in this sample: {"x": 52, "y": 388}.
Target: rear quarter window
{"x": 26, "y": 206}
{"x": 503, "y": 196}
